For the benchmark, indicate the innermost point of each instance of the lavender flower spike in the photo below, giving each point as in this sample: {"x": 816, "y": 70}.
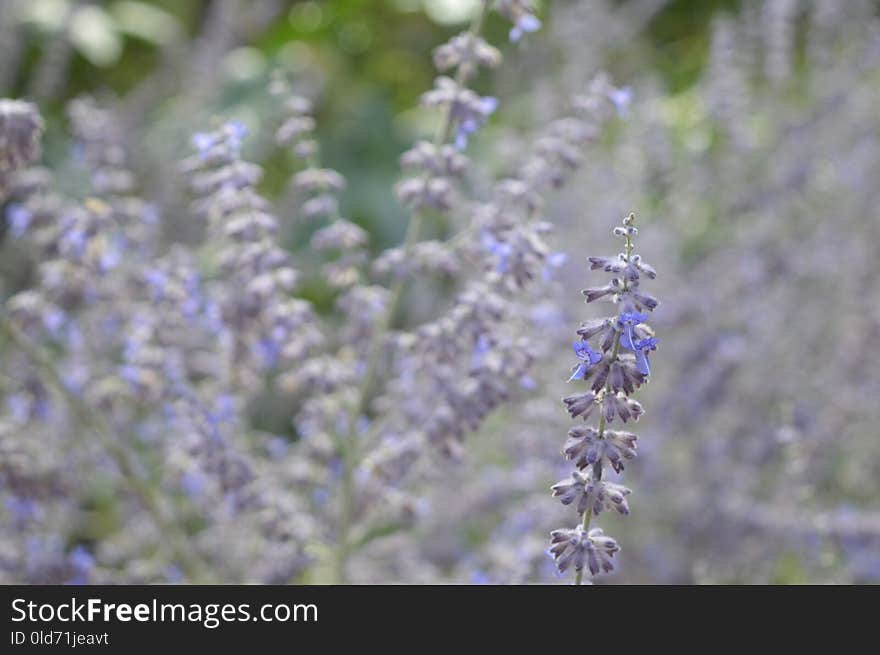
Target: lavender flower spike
{"x": 593, "y": 449}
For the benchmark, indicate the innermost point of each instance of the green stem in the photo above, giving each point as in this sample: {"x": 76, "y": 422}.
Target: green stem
{"x": 173, "y": 538}
{"x": 349, "y": 446}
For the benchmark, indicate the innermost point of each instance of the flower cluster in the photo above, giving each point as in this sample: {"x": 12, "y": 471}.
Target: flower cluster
{"x": 20, "y": 131}
{"x": 266, "y": 328}
{"x": 614, "y": 366}
{"x": 513, "y": 256}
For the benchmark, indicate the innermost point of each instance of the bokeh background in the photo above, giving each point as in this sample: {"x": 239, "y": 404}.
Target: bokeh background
{"x": 750, "y": 152}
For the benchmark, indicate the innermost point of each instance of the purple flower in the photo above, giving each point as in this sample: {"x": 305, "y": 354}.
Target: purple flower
{"x": 151, "y": 214}
{"x": 213, "y": 317}
{"x": 320, "y": 496}
{"x": 641, "y": 350}
{"x": 232, "y": 134}
{"x": 82, "y": 562}
{"x": 552, "y": 262}
{"x": 465, "y": 129}
{"x": 75, "y": 378}
{"x": 480, "y": 577}
{"x": 224, "y": 407}
{"x": 203, "y": 142}
{"x": 73, "y": 240}
{"x": 525, "y": 24}
{"x": 19, "y": 219}
{"x": 639, "y": 346}
{"x": 621, "y": 99}
{"x": 193, "y": 483}
{"x": 23, "y": 509}
{"x": 54, "y": 320}
{"x": 110, "y": 258}
{"x": 627, "y": 321}
{"x": 481, "y": 348}
{"x": 471, "y": 124}
{"x": 237, "y": 131}
{"x": 130, "y": 374}
{"x": 489, "y": 104}
{"x": 19, "y": 406}
{"x": 278, "y": 447}
{"x": 501, "y": 250}
{"x": 81, "y": 559}
{"x": 193, "y": 300}
{"x": 268, "y": 350}
{"x": 588, "y": 358}
{"x": 157, "y": 281}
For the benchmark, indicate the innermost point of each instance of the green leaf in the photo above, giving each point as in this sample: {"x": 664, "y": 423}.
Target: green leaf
{"x": 46, "y": 15}
{"x": 379, "y": 531}
{"x": 93, "y": 33}
{"x": 146, "y": 22}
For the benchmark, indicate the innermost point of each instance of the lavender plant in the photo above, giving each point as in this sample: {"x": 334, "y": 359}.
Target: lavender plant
{"x": 192, "y": 393}
{"x": 162, "y": 348}
{"x": 615, "y": 369}
{"x": 781, "y": 482}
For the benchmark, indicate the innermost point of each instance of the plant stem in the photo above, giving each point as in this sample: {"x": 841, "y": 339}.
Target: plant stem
{"x": 349, "y": 446}
{"x": 579, "y": 576}
{"x": 173, "y": 537}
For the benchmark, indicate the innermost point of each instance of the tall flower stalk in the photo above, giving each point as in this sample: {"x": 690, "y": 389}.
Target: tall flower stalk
{"x": 462, "y": 110}
{"x": 613, "y": 360}
{"x": 464, "y": 364}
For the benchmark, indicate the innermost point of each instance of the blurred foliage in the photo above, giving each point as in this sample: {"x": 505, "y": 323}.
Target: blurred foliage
{"x": 373, "y": 56}
{"x": 680, "y": 35}
{"x": 380, "y": 44}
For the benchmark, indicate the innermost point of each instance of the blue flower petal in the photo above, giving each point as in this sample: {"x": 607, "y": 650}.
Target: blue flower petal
{"x": 528, "y": 23}
{"x": 626, "y": 339}
{"x": 579, "y": 372}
